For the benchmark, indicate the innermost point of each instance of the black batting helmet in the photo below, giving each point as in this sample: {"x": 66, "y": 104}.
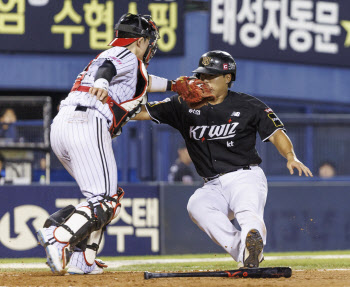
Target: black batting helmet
{"x": 216, "y": 63}
{"x": 131, "y": 27}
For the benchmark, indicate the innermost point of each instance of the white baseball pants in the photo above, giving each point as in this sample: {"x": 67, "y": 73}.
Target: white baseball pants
{"x": 82, "y": 142}
{"x": 241, "y": 195}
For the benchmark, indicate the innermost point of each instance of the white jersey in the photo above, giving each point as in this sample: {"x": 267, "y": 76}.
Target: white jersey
{"x": 122, "y": 86}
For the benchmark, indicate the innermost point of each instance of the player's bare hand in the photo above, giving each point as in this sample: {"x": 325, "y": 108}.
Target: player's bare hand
{"x": 100, "y": 94}
{"x": 295, "y": 163}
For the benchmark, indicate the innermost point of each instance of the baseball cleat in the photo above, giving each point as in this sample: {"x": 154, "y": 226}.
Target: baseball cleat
{"x": 57, "y": 254}
{"x": 97, "y": 269}
{"x": 253, "y": 248}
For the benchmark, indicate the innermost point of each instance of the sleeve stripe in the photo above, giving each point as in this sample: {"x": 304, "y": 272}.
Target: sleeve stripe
{"x": 265, "y": 139}
{"x": 153, "y": 119}
{"x": 122, "y": 52}
{"x": 125, "y": 55}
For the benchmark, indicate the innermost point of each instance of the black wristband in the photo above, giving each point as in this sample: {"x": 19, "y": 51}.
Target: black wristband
{"x": 169, "y": 84}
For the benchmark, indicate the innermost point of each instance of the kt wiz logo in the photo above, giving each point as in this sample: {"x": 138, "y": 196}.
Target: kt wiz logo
{"x": 215, "y": 132}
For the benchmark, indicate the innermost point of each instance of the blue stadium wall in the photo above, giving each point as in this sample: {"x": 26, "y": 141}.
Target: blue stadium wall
{"x": 300, "y": 216}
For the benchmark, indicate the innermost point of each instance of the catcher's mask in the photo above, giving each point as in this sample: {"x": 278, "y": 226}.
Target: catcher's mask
{"x": 216, "y": 63}
{"x": 131, "y": 27}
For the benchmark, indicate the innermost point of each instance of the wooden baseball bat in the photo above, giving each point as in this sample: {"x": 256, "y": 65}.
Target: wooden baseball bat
{"x": 265, "y": 272}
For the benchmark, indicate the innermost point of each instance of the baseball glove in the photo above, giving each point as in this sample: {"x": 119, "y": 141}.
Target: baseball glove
{"x": 194, "y": 92}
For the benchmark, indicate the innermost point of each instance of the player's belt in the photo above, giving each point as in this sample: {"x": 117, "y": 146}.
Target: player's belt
{"x": 81, "y": 89}
{"x": 247, "y": 167}
{"x": 81, "y": 108}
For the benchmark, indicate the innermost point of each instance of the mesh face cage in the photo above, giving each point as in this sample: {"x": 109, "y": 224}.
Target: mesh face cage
{"x": 140, "y": 26}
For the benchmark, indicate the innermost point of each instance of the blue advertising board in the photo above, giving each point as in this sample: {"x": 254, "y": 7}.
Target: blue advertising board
{"x": 308, "y": 31}
{"x": 83, "y": 26}
{"x": 24, "y": 209}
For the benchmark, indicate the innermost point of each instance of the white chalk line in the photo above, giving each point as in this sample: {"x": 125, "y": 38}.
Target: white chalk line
{"x": 118, "y": 264}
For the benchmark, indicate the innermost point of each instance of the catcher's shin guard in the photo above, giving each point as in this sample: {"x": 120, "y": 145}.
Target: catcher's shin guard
{"x": 89, "y": 217}
{"x": 83, "y": 261}
{"x": 93, "y": 244}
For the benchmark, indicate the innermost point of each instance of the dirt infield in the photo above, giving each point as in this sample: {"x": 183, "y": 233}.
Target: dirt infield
{"x": 299, "y": 278}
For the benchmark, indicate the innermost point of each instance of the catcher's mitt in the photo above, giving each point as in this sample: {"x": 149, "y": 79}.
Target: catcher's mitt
{"x": 194, "y": 92}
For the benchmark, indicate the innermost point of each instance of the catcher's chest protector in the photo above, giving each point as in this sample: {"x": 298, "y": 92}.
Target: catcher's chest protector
{"x": 142, "y": 80}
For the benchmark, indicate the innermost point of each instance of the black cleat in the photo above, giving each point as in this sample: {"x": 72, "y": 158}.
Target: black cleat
{"x": 253, "y": 248}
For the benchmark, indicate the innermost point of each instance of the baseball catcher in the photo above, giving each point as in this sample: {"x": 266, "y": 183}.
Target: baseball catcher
{"x": 81, "y": 137}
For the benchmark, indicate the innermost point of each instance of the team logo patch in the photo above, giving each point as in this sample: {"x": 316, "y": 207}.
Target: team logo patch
{"x": 225, "y": 66}
{"x": 215, "y": 132}
{"x": 276, "y": 121}
{"x": 235, "y": 114}
{"x": 206, "y": 61}
{"x": 269, "y": 110}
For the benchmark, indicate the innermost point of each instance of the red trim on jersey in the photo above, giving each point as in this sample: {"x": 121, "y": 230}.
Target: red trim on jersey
{"x": 81, "y": 89}
{"x": 144, "y": 89}
{"x": 121, "y": 42}
{"x": 78, "y": 80}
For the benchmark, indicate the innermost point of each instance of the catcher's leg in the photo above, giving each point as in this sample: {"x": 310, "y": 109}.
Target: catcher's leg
{"x": 68, "y": 232}
{"x": 83, "y": 261}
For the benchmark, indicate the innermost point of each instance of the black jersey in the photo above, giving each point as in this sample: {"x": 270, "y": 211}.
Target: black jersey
{"x": 219, "y": 138}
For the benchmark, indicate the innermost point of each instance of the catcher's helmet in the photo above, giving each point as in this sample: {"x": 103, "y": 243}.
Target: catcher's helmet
{"x": 131, "y": 27}
{"x": 216, "y": 63}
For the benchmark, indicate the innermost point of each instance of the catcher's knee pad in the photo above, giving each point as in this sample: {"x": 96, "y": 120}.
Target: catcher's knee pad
{"x": 88, "y": 217}
{"x": 60, "y": 217}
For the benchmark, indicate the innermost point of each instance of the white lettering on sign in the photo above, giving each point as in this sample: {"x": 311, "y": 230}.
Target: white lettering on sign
{"x": 299, "y": 25}
{"x": 141, "y": 216}
{"x": 120, "y": 232}
{"x": 22, "y": 216}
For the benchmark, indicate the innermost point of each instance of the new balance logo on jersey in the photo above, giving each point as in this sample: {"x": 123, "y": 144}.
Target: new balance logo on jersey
{"x": 215, "y": 132}
{"x": 235, "y": 114}
{"x": 230, "y": 143}
{"x": 193, "y": 111}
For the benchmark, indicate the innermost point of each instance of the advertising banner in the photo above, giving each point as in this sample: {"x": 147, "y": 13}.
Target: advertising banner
{"x": 83, "y": 26}
{"x": 308, "y": 31}
{"x": 24, "y": 209}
